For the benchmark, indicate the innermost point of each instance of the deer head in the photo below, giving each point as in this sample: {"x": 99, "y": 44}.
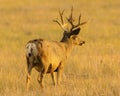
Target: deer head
{"x": 74, "y": 28}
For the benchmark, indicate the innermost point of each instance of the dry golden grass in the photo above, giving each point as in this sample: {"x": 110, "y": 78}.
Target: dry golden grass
{"x": 92, "y": 70}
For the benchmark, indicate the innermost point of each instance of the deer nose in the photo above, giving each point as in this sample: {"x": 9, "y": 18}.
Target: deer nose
{"x": 83, "y": 42}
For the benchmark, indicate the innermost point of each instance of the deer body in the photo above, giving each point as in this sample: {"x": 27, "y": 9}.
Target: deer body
{"x": 50, "y": 56}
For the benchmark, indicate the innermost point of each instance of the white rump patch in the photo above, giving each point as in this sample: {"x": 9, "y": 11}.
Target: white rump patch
{"x": 31, "y": 48}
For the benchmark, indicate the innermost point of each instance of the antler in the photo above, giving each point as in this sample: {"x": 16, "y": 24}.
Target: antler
{"x": 71, "y": 20}
{"x": 62, "y": 24}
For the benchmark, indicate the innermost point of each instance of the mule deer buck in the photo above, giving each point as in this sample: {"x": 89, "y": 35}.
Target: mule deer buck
{"x": 50, "y": 56}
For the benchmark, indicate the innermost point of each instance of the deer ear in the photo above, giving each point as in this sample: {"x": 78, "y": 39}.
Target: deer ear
{"x": 75, "y": 32}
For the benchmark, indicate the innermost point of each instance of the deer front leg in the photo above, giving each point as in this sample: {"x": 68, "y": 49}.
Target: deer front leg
{"x": 53, "y": 78}
{"x": 42, "y": 75}
{"x": 59, "y": 73}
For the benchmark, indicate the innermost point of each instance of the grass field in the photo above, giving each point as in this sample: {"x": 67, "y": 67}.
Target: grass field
{"x": 92, "y": 70}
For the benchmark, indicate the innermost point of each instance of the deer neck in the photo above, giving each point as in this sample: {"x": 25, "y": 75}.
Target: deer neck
{"x": 63, "y": 39}
{"x": 68, "y": 46}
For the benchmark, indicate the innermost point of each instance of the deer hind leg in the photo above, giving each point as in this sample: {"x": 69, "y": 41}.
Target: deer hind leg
{"x": 42, "y": 75}
{"x": 28, "y": 76}
{"x": 53, "y": 78}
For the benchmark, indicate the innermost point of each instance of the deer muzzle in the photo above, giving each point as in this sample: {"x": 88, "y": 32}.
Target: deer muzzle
{"x": 81, "y": 43}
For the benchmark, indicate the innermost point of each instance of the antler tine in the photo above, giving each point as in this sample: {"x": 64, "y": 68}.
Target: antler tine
{"x": 62, "y": 21}
{"x": 70, "y": 19}
{"x": 61, "y": 16}
{"x": 57, "y": 22}
{"x": 78, "y": 22}
{"x": 82, "y": 22}
{"x": 79, "y": 19}
{"x": 71, "y": 15}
